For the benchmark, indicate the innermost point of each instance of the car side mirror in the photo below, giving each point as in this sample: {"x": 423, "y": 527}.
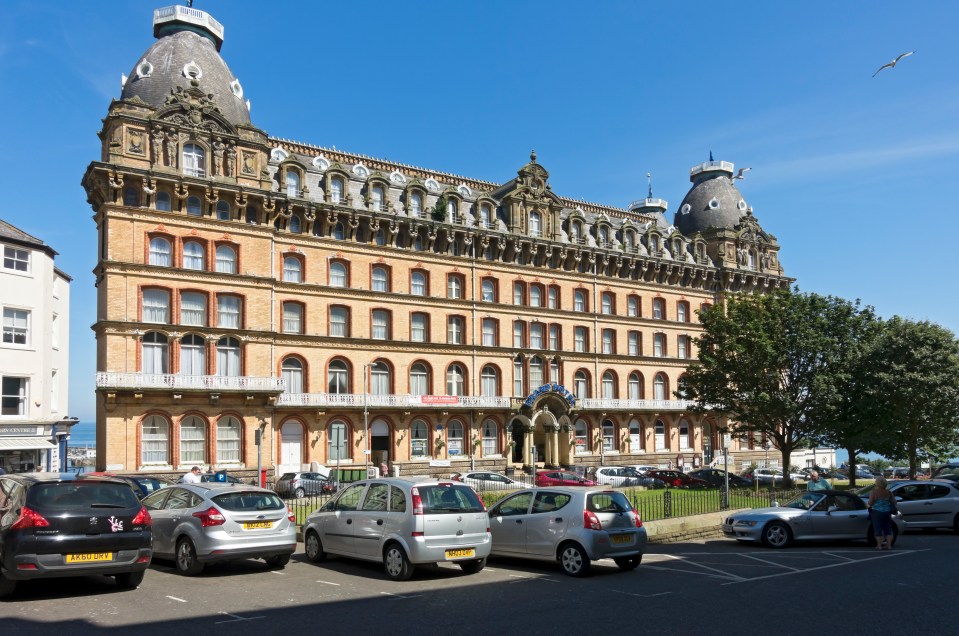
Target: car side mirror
{"x": 831, "y": 509}
{"x": 775, "y": 504}
{"x": 899, "y": 499}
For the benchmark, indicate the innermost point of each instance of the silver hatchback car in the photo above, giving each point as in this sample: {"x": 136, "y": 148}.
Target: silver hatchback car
{"x": 569, "y": 525}
{"x": 402, "y": 523}
{"x": 195, "y": 524}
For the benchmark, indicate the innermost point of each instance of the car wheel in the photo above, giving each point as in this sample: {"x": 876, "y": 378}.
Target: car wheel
{"x": 629, "y": 563}
{"x": 314, "y": 547}
{"x": 129, "y": 580}
{"x": 299, "y": 493}
{"x": 776, "y": 535}
{"x": 278, "y": 561}
{"x": 472, "y": 567}
{"x": 6, "y": 586}
{"x": 186, "y": 561}
{"x": 574, "y": 560}
{"x": 396, "y": 563}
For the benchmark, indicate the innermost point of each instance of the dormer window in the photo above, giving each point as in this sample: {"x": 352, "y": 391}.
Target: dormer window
{"x": 194, "y": 160}
{"x": 336, "y": 190}
{"x": 486, "y": 216}
{"x": 575, "y": 231}
{"x": 292, "y": 183}
{"x": 604, "y": 235}
{"x": 535, "y": 224}
{"x": 751, "y": 259}
{"x": 451, "y": 209}
{"x": 416, "y": 204}
{"x": 654, "y": 244}
{"x": 377, "y": 195}
{"x": 629, "y": 240}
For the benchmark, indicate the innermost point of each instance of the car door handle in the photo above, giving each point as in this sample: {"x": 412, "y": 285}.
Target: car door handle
{"x": 519, "y": 521}
{"x": 559, "y": 520}
{"x": 379, "y": 522}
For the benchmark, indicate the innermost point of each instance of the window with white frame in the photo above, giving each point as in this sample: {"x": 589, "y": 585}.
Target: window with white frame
{"x": 632, "y": 342}
{"x": 635, "y": 436}
{"x": 608, "y": 341}
{"x": 519, "y": 334}
{"x": 336, "y": 190}
{"x": 225, "y": 259}
{"x": 682, "y": 346}
{"x": 193, "y": 309}
{"x": 489, "y": 381}
{"x": 419, "y": 327}
{"x": 519, "y": 293}
{"x": 554, "y": 375}
{"x": 552, "y": 297}
{"x": 490, "y": 438}
{"x": 607, "y": 299}
{"x": 455, "y": 378}
{"x": 682, "y": 311}
{"x": 536, "y": 335}
{"x": 609, "y": 436}
{"x": 192, "y": 440}
{"x": 13, "y": 396}
{"x": 228, "y": 357}
{"x": 419, "y": 439}
{"x": 380, "y": 383}
{"x": 338, "y": 378}
{"x": 378, "y": 197}
{"x": 486, "y": 216}
{"x": 416, "y": 204}
{"x": 454, "y": 330}
{"x": 634, "y": 385}
{"x": 581, "y": 384}
{"x": 536, "y": 371}
{"x": 155, "y": 349}
{"x": 381, "y": 325}
{"x": 419, "y": 379}
{"x": 579, "y": 339}
{"x": 580, "y": 437}
{"x": 555, "y": 342}
{"x": 609, "y": 386}
{"x": 418, "y": 283}
{"x": 193, "y": 355}
{"x": 228, "y": 311}
{"x": 660, "y": 433}
{"x": 579, "y": 300}
{"x": 659, "y": 387}
{"x": 337, "y": 274}
{"x": 632, "y": 306}
{"x": 659, "y": 309}
{"x": 292, "y": 183}
{"x": 454, "y": 287}
{"x": 519, "y": 385}
{"x": 194, "y": 160}
{"x": 488, "y": 291}
{"x": 292, "y": 374}
{"x": 535, "y": 224}
{"x": 292, "y": 317}
{"x": 16, "y": 259}
{"x": 684, "y": 434}
{"x": 156, "y": 306}
{"x": 160, "y": 252}
{"x": 535, "y": 296}
{"x": 155, "y": 440}
{"x": 489, "y": 332}
{"x": 193, "y": 257}
{"x": 339, "y": 321}
{"x": 16, "y": 326}
{"x": 381, "y": 279}
{"x": 228, "y": 440}
{"x": 454, "y": 438}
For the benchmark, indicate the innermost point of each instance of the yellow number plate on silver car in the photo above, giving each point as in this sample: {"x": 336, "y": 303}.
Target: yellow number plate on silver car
{"x": 620, "y": 539}
{"x": 257, "y": 525}
{"x": 465, "y": 553}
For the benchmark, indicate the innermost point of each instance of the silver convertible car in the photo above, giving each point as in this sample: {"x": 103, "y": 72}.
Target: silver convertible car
{"x": 819, "y": 515}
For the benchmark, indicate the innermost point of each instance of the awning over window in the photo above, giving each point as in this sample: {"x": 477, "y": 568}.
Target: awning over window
{"x": 25, "y": 443}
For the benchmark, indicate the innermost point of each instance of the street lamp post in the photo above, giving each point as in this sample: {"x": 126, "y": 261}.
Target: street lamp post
{"x": 366, "y": 416}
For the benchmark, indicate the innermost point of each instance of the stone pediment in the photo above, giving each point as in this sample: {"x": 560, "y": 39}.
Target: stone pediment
{"x": 192, "y": 108}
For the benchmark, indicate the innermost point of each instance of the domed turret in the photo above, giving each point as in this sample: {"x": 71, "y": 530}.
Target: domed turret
{"x": 713, "y": 202}
{"x": 186, "y": 50}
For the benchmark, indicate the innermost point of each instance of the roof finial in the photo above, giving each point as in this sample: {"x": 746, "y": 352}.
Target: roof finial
{"x": 649, "y": 182}
{"x": 711, "y": 155}
{"x": 189, "y": 4}
{"x": 532, "y": 156}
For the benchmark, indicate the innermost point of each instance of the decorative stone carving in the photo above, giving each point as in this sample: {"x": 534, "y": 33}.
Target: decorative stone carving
{"x": 136, "y": 142}
{"x": 249, "y": 162}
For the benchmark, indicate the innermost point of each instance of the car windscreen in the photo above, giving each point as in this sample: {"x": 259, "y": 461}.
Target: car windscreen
{"x": 608, "y": 502}
{"x": 78, "y": 495}
{"x": 148, "y": 484}
{"x": 805, "y": 501}
{"x": 248, "y": 501}
{"x": 287, "y": 476}
{"x": 443, "y": 498}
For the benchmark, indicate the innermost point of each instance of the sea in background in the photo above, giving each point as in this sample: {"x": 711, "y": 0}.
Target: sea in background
{"x": 83, "y": 434}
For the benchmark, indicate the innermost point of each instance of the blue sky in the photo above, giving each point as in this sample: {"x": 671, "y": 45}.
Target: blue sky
{"x": 853, "y": 174}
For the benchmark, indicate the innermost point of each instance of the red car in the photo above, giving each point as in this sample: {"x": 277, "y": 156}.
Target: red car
{"x": 562, "y": 478}
{"x": 676, "y": 479}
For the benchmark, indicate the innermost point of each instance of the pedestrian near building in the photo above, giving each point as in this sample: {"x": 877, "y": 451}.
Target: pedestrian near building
{"x": 817, "y": 483}
{"x": 882, "y": 505}
{"x": 192, "y": 477}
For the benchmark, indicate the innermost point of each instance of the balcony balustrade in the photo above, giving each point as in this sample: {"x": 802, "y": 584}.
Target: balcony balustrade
{"x": 108, "y": 380}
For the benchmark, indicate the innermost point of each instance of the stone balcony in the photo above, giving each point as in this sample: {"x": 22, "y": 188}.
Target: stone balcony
{"x": 108, "y": 380}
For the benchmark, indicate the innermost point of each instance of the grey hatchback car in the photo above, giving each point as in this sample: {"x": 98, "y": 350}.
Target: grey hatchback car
{"x": 195, "y": 524}
{"x": 569, "y": 525}
{"x": 402, "y": 523}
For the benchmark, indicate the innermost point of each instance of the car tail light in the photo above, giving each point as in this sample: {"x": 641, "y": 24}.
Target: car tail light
{"x": 29, "y": 519}
{"x": 143, "y": 518}
{"x": 290, "y": 514}
{"x": 417, "y": 501}
{"x": 639, "y": 520}
{"x": 591, "y": 521}
{"x": 210, "y": 517}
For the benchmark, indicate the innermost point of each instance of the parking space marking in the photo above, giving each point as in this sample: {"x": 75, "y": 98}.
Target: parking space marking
{"x": 329, "y": 583}
{"x": 182, "y": 600}
{"x": 749, "y": 556}
{"x": 737, "y": 578}
{"x": 236, "y": 618}
{"x": 697, "y": 573}
{"x": 400, "y": 597}
{"x": 838, "y": 556}
{"x": 275, "y": 572}
{"x": 640, "y": 595}
{"x": 825, "y": 567}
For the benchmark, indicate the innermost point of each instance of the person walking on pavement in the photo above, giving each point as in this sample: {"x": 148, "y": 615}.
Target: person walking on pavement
{"x": 192, "y": 477}
{"x": 882, "y": 505}
{"x": 817, "y": 483}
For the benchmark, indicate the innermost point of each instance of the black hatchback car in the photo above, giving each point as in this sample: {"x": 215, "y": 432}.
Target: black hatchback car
{"x": 58, "y": 525}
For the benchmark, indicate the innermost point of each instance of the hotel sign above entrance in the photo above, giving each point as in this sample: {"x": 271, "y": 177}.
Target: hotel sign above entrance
{"x": 557, "y": 389}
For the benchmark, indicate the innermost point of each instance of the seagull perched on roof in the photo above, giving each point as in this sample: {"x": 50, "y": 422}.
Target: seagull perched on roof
{"x": 742, "y": 173}
{"x": 893, "y": 63}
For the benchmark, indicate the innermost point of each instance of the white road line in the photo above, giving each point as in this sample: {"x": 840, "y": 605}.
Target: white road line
{"x": 517, "y": 576}
{"x": 659, "y": 569}
{"x": 275, "y": 572}
{"x": 706, "y": 567}
{"x": 838, "y": 556}
{"x": 823, "y": 567}
{"x": 176, "y": 599}
{"x": 236, "y": 618}
{"x": 399, "y": 597}
{"x": 328, "y": 583}
{"x": 640, "y": 595}
{"x": 780, "y": 565}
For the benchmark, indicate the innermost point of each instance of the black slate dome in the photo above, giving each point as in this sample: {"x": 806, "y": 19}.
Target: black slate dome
{"x": 713, "y": 202}
{"x": 187, "y": 48}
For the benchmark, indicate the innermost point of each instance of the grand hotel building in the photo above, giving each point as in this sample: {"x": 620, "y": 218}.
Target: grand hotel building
{"x": 331, "y": 303}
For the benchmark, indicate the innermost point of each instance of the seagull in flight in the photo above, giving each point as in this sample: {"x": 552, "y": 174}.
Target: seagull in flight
{"x": 742, "y": 173}
{"x": 893, "y": 63}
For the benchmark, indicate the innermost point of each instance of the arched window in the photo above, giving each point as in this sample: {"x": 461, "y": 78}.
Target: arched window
{"x": 489, "y": 382}
{"x": 192, "y": 440}
{"x": 575, "y": 231}
{"x": 194, "y": 160}
{"x": 225, "y": 259}
{"x": 228, "y": 440}
{"x": 292, "y": 269}
{"x": 156, "y": 306}
{"x": 660, "y": 430}
{"x": 194, "y": 207}
{"x": 155, "y": 445}
{"x": 682, "y": 311}
{"x": 489, "y": 291}
{"x": 228, "y": 357}
{"x": 292, "y": 372}
{"x": 337, "y": 441}
{"x": 552, "y": 297}
{"x": 579, "y": 300}
{"x": 554, "y": 371}
{"x": 580, "y": 437}
{"x": 193, "y": 355}
{"x": 419, "y": 379}
{"x": 419, "y": 439}
{"x": 607, "y": 303}
{"x": 292, "y": 183}
{"x": 682, "y": 347}
{"x": 635, "y": 436}
{"x": 378, "y": 196}
{"x": 609, "y": 340}
{"x": 380, "y": 381}
{"x": 535, "y": 296}
{"x": 193, "y": 309}
{"x": 338, "y": 377}
{"x": 489, "y": 332}
{"x": 454, "y": 438}
{"x": 381, "y": 279}
{"x": 131, "y": 197}
{"x": 416, "y": 204}
{"x": 454, "y": 286}
{"x": 338, "y": 232}
{"x": 252, "y": 214}
{"x": 609, "y": 386}
{"x": 486, "y": 216}
{"x": 659, "y": 309}
{"x": 519, "y": 293}
{"x": 490, "y": 438}
{"x": 296, "y": 226}
{"x": 751, "y": 260}
{"x": 659, "y": 387}
{"x": 581, "y": 384}
{"x": 193, "y": 257}
{"x": 155, "y": 353}
{"x": 336, "y": 191}
{"x": 635, "y": 386}
{"x": 223, "y": 211}
{"x": 632, "y": 306}
{"x": 163, "y": 202}
{"x": 418, "y": 284}
{"x": 337, "y": 274}
{"x": 160, "y": 252}
{"x": 609, "y": 436}
{"x": 292, "y": 317}
{"x": 684, "y": 434}
{"x": 629, "y": 240}
{"x": 381, "y": 325}
{"x": 536, "y": 372}
{"x": 659, "y": 345}
{"x": 535, "y": 224}
{"x": 380, "y": 237}
{"x": 604, "y": 235}
{"x": 455, "y": 380}
{"x": 451, "y": 209}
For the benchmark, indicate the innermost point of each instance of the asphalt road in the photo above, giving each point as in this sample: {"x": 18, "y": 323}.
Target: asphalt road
{"x": 708, "y": 587}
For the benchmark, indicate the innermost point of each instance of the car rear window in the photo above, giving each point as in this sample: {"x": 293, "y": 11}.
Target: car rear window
{"x": 288, "y": 476}
{"x": 608, "y": 502}
{"x": 80, "y": 496}
{"x": 249, "y": 501}
{"x": 448, "y": 499}
{"x": 149, "y": 485}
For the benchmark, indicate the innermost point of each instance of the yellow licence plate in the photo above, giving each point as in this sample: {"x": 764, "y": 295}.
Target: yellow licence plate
{"x": 465, "y": 553}
{"x": 620, "y": 539}
{"x": 257, "y": 525}
{"x": 90, "y": 557}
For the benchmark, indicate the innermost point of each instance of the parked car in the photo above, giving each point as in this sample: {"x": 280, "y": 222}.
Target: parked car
{"x": 303, "y": 484}
{"x": 570, "y": 525}
{"x": 813, "y": 515}
{"x": 896, "y": 472}
{"x": 196, "y": 524}
{"x": 948, "y": 471}
{"x": 825, "y": 473}
{"x": 215, "y": 478}
{"x": 716, "y": 478}
{"x": 60, "y": 525}
{"x": 142, "y": 486}
{"x": 643, "y": 468}
{"x": 624, "y": 476}
{"x": 924, "y": 503}
{"x": 483, "y": 481}
{"x": 861, "y": 473}
{"x": 561, "y": 478}
{"x": 771, "y": 477}
{"x": 402, "y": 523}
{"x": 676, "y": 479}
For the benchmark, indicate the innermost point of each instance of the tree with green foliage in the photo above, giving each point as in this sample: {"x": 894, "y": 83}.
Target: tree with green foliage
{"x": 439, "y": 212}
{"x": 763, "y": 362}
{"x": 914, "y": 384}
